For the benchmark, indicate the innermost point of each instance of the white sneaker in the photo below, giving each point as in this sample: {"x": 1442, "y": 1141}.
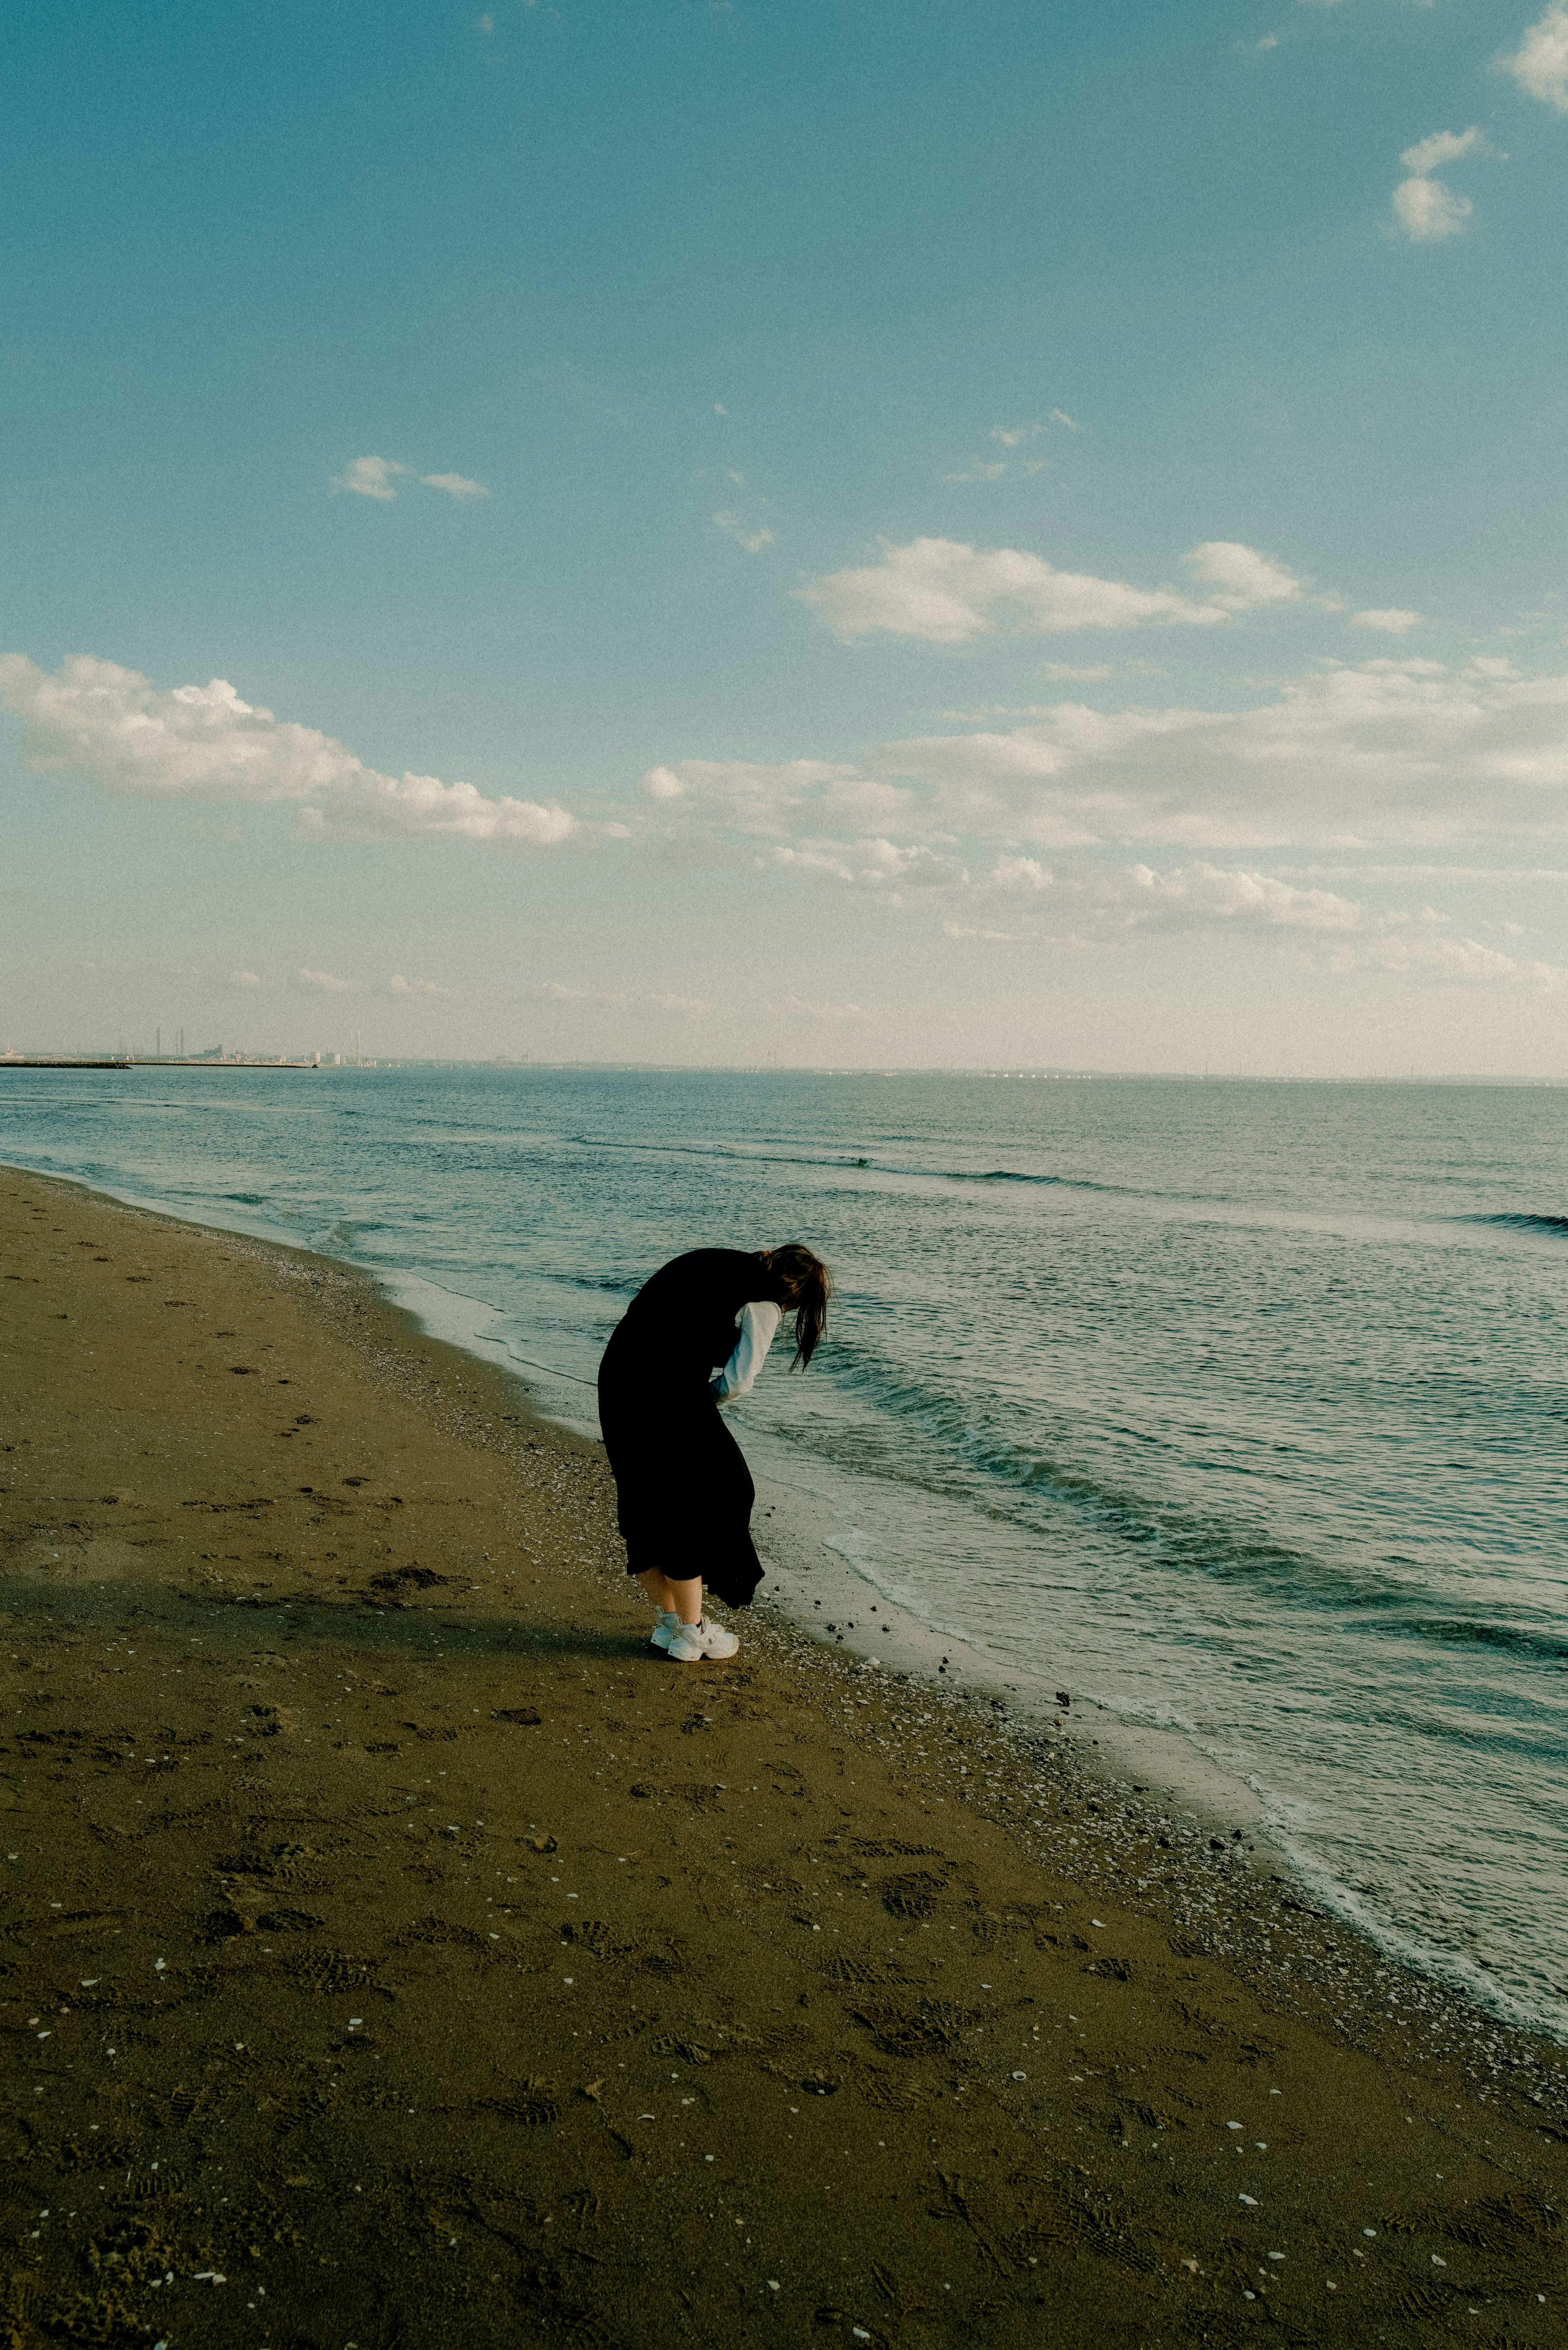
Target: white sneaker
{"x": 691, "y": 1642}
{"x": 666, "y": 1624}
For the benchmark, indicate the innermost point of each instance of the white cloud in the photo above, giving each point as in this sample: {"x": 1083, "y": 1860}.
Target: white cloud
{"x": 1388, "y": 749}
{"x": 398, "y": 985}
{"x": 1458, "y": 960}
{"x": 1242, "y": 578}
{"x": 983, "y": 470}
{"x": 873, "y": 864}
{"x": 1540, "y": 64}
{"x": 1392, "y": 621}
{"x": 324, "y": 983}
{"x": 203, "y": 743}
{"x": 1427, "y": 210}
{"x": 456, "y": 486}
{"x": 1012, "y": 436}
{"x": 1442, "y": 147}
{"x": 939, "y": 591}
{"x": 733, "y": 526}
{"x": 1060, "y": 416}
{"x": 244, "y": 979}
{"x": 1209, "y": 897}
{"x": 369, "y": 477}
{"x": 373, "y": 477}
{"x": 1318, "y": 927}
{"x": 752, "y": 797}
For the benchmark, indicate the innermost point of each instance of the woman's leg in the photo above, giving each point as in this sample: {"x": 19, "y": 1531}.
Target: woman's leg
{"x": 686, "y": 1599}
{"x": 683, "y": 1599}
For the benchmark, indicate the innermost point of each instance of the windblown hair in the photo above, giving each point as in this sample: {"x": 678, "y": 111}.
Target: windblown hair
{"x": 802, "y": 1285}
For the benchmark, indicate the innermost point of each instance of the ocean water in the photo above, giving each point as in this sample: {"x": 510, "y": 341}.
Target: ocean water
{"x": 1240, "y": 1408}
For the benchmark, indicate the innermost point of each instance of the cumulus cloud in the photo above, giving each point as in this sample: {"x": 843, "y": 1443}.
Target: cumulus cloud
{"x": 324, "y": 983}
{"x": 1427, "y": 209}
{"x": 1464, "y": 960}
{"x": 1393, "y": 621}
{"x": 244, "y": 979}
{"x": 1540, "y": 64}
{"x": 203, "y": 743}
{"x": 941, "y": 592}
{"x": 1392, "y": 750}
{"x": 1444, "y": 147}
{"x": 369, "y": 477}
{"x": 1241, "y": 579}
{"x": 1317, "y": 928}
{"x": 398, "y": 985}
{"x": 374, "y": 478}
{"x": 733, "y": 526}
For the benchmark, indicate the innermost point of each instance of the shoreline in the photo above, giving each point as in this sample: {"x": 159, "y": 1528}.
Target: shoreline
{"x": 817, "y": 1588}
{"x": 332, "y": 1707}
{"x": 817, "y": 1583}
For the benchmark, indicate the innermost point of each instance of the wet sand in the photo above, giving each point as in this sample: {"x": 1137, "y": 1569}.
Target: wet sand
{"x": 395, "y": 1950}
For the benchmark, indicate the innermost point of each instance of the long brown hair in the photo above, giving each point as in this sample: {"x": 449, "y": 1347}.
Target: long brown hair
{"x": 801, "y": 1283}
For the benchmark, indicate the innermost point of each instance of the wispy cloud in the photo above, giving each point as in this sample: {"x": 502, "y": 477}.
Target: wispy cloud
{"x": 376, "y": 477}
{"x": 753, "y": 538}
{"x": 203, "y": 743}
{"x": 1540, "y": 64}
{"x": 939, "y": 591}
{"x": 817, "y": 1015}
{"x": 1011, "y": 437}
{"x": 456, "y": 486}
{"x": 673, "y": 1006}
{"x": 324, "y": 982}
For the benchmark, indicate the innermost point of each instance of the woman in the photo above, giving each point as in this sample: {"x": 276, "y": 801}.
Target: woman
{"x": 683, "y": 1491}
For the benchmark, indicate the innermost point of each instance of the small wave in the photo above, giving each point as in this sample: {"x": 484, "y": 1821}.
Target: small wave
{"x": 1465, "y": 1632}
{"x": 1521, "y": 1221}
{"x": 1016, "y": 1175}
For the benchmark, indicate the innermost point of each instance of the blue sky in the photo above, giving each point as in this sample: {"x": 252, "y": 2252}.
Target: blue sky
{"x": 972, "y": 534}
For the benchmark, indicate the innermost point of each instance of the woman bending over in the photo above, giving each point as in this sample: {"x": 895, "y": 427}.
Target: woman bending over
{"x": 693, "y": 1339}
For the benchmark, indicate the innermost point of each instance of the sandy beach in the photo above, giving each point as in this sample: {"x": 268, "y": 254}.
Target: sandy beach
{"x": 437, "y": 1964}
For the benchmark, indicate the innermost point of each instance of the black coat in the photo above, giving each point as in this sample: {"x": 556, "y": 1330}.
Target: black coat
{"x": 684, "y": 1492}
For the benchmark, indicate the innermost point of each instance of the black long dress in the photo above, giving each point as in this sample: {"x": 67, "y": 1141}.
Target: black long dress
{"x": 683, "y": 1491}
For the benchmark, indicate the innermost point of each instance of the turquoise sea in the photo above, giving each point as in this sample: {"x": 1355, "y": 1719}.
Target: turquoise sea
{"x": 1241, "y": 1408}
